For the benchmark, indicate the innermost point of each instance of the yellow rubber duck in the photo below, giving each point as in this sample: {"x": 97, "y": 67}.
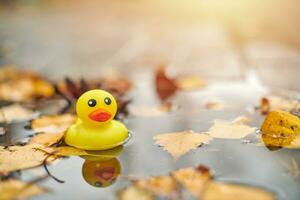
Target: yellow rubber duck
{"x": 95, "y": 128}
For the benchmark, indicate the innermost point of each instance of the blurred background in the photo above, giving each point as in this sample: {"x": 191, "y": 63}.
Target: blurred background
{"x": 217, "y": 39}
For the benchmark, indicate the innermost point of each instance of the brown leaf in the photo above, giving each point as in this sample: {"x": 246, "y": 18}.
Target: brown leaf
{"x": 179, "y": 143}
{"x": 228, "y": 191}
{"x": 15, "y": 158}
{"x": 190, "y": 82}
{"x": 47, "y": 139}
{"x": 20, "y": 85}
{"x": 165, "y": 86}
{"x": 193, "y": 179}
{"x": 53, "y": 123}
{"x": 158, "y": 185}
{"x": 15, "y": 189}
{"x": 134, "y": 193}
{"x": 15, "y": 112}
{"x": 230, "y": 130}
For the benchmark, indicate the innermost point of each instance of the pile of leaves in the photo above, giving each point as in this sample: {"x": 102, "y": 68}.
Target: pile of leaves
{"x": 197, "y": 182}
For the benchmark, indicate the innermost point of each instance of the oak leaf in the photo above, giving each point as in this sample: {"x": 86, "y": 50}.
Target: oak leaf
{"x": 179, "y": 143}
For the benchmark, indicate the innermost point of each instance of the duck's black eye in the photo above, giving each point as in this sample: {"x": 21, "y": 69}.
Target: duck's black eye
{"x": 107, "y": 101}
{"x": 92, "y": 102}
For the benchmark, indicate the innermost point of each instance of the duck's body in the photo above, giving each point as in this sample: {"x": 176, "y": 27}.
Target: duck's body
{"x": 95, "y": 128}
{"x": 92, "y": 138}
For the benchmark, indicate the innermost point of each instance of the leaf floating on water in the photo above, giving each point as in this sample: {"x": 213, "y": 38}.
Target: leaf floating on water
{"x": 227, "y": 191}
{"x": 15, "y": 112}
{"x": 134, "y": 193}
{"x": 190, "y": 82}
{"x": 159, "y": 185}
{"x": 15, "y": 158}
{"x": 179, "y": 143}
{"x": 15, "y": 189}
{"x": 53, "y": 123}
{"x": 230, "y": 130}
{"x": 193, "y": 179}
{"x": 47, "y": 139}
{"x": 281, "y": 129}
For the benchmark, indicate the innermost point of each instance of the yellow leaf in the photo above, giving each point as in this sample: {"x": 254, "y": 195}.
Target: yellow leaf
{"x": 15, "y": 158}
{"x": 53, "y": 123}
{"x": 177, "y": 144}
{"x": 15, "y": 189}
{"x": 15, "y": 112}
{"x": 228, "y": 191}
{"x": 133, "y": 193}
{"x": 47, "y": 139}
{"x": 230, "y": 130}
{"x": 159, "y": 185}
{"x": 193, "y": 179}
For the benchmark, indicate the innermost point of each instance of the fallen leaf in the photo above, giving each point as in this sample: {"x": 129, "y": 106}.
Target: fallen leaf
{"x": 179, "y": 143}
{"x": 165, "y": 86}
{"x": 193, "y": 179}
{"x": 190, "y": 82}
{"x": 159, "y": 186}
{"x": 151, "y": 111}
{"x": 14, "y": 158}
{"x": 15, "y": 112}
{"x": 134, "y": 193}
{"x": 21, "y": 85}
{"x": 47, "y": 139}
{"x": 230, "y": 130}
{"x": 53, "y": 123}
{"x": 228, "y": 191}
{"x": 15, "y": 189}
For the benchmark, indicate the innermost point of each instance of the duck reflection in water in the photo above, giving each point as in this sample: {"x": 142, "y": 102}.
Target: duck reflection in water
{"x": 102, "y": 168}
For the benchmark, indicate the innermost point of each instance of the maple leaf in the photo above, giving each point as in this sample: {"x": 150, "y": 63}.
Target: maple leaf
{"x": 236, "y": 129}
{"x": 134, "y": 193}
{"x": 15, "y": 112}
{"x": 53, "y": 123}
{"x": 16, "y": 189}
{"x": 158, "y": 185}
{"x": 14, "y": 158}
{"x": 179, "y": 143}
{"x": 193, "y": 179}
{"x": 228, "y": 191}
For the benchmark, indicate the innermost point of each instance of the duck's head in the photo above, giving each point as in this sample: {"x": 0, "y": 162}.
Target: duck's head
{"x": 96, "y": 107}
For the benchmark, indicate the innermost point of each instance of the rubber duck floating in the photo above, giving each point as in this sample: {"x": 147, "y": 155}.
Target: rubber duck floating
{"x": 95, "y": 128}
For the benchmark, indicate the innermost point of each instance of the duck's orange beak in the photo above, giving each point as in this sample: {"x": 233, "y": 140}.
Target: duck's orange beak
{"x": 100, "y": 115}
